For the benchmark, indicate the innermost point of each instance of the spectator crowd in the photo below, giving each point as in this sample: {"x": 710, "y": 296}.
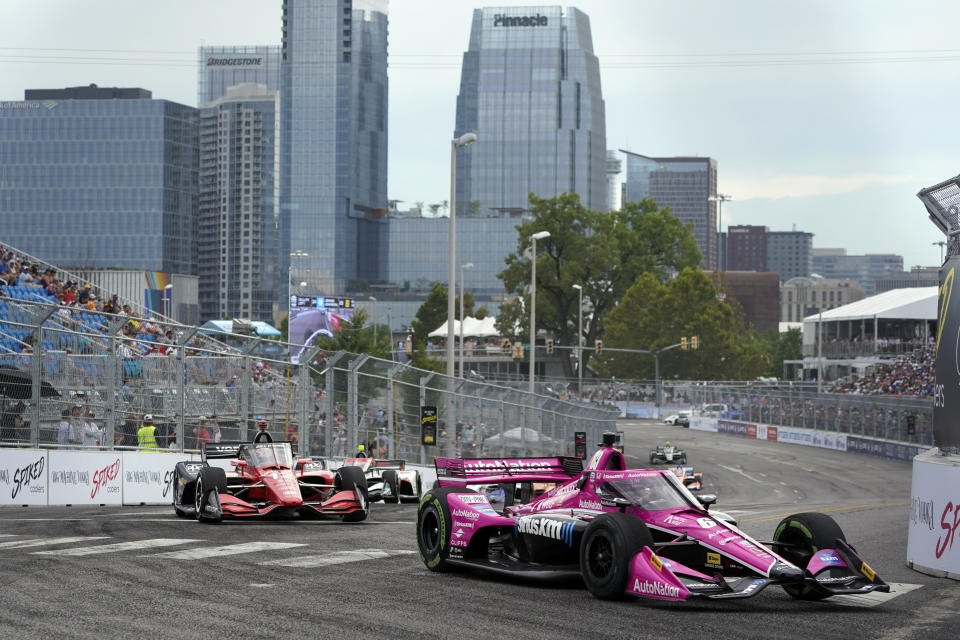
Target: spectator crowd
{"x": 908, "y": 376}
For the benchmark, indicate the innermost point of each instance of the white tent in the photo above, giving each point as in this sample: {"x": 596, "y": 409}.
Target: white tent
{"x": 472, "y": 328}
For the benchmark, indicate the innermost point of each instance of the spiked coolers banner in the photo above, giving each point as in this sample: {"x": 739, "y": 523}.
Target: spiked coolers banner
{"x": 946, "y": 394}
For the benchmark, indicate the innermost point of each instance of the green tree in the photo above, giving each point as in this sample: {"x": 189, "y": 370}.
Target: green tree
{"x": 356, "y": 336}
{"x": 431, "y": 314}
{"x": 605, "y": 253}
{"x": 781, "y": 347}
{"x": 654, "y": 315}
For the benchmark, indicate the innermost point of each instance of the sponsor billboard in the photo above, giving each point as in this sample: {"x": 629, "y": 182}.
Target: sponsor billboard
{"x": 946, "y": 390}
{"x": 934, "y": 517}
{"x": 23, "y": 476}
{"x": 314, "y": 317}
{"x": 81, "y": 477}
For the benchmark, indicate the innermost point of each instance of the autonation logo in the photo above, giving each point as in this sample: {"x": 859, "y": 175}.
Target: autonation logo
{"x": 500, "y": 20}
{"x": 656, "y": 589}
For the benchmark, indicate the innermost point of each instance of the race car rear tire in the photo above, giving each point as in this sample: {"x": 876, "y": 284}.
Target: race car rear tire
{"x": 653, "y": 459}
{"x": 607, "y": 550}
{"x": 417, "y": 488}
{"x": 210, "y": 483}
{"x": 809, "y": 532}
{"x": 434, "y": 525}
{"x": 347, "y": 478}
{"x": 390, "y": 480}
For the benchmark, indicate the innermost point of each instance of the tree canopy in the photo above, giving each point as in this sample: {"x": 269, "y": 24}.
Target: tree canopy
{"x": 604, "y": 253}
{"x": 653, "y": 315}
{"x": 356, "y": 336}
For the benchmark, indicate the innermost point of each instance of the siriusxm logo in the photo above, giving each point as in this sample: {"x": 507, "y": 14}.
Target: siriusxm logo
{"x": 546, "y": 528}
{"x": 500, "y": 20}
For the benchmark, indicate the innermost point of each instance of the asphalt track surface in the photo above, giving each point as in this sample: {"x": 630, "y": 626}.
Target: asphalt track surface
{"x": 142, "y": 572}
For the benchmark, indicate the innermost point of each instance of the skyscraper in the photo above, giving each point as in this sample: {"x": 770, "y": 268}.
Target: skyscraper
{"x": 686, "y": 185}
{"x": 333, "y": 140}
{"x": 100, "y": 177}
{"x": 530, "y": 90}
{"x": 790, "y": 253}
{"x": 238, "y": 229}
{"x": 222, "y": 67}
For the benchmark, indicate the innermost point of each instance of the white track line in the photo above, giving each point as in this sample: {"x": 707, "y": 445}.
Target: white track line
{"x": 41, "y": 542}
{"x": 120, "y": 546}
{"x": 337, "y": 557}
{"x": 875, "y": 598}
{"x": 745, "y": 475}
{"x": 226, "y": 550}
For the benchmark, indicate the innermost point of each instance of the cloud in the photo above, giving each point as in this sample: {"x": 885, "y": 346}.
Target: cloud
{"x": 801, "y": 186}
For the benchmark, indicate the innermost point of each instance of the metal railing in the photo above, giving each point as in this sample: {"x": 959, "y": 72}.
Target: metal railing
{"x": 83, "y": 367}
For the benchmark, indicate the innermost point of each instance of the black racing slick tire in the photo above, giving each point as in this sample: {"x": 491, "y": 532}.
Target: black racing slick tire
{"x": 390, "y": 481}
{"x": 211, "y": 482}
{"x": 804, "y": 535}
{"x": 607, "y": 550}
{"x": 434, "y": 527}
{"x": 174, "y": 485}
{"x": 346, "y": 479}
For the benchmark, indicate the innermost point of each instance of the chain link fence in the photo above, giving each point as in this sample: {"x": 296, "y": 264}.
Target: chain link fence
{"x": 64, "y": 370}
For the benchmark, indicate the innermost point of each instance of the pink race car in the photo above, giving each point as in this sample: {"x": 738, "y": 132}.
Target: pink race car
{"x": 636, "y": 532}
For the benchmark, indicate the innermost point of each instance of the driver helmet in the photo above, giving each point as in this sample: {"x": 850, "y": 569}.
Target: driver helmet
{"x": 360, "y": 447}
{"x": 261, "y": 424}
{"x": 668, "y": 443}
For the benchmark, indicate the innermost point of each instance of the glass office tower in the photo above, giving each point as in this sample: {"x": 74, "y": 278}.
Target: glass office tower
{"x": 222, "y": 67}
{"x": 685, "y": 184}
{"x": 530, "y": 90}
{"x": 239, "y": 208}
{"x": 100, "y": 178}
{"x": 334, "y": 140}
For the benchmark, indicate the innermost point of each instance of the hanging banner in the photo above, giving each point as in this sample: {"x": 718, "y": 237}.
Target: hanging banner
{"x": 23, "y": 476}
{"x": 580, "y": 444}
{"x": 428, "y": 426}
{"x": 946, "y": 390}
{"x": 81, "y": 477}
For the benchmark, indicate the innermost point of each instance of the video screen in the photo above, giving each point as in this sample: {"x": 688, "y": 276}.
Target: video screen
{"x": 315, "y": 316}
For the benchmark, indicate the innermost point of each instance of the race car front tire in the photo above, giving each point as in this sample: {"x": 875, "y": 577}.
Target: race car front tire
{"x": 346, "y": 479}
{"x": 390, "y": 481}
{"x": 806, "y": 533}
{"x": 210, "y": 483}
{"x": 416, "y": 490}
{"x": 434, "y": 526}
{"x": 174, "y": 484}
{"x": 607, "y": 550}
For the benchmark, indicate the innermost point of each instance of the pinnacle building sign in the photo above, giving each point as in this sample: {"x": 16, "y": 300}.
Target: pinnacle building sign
{"x": 500, "y": 20}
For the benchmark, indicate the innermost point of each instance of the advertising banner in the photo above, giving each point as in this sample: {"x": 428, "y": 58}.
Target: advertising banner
{"x": 701, "y": 423}
{"x": 428, "y": 426}
{"x": 934, "y": 516}
{"x": 146, "y": 476}
{"x": 946, "y": 390}
{"x": 751, "y": 431}
{"x": 85, "y": 477}
{"x": 734, "y": 428}
{"x": 23, "y": 476}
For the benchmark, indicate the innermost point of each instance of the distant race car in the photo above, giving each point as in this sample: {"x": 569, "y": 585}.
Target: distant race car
{"x": 389, "y": 480}
{"x": 668, "y": 453}
{"x": 266, "y": 481}
{"x": 636, "y": 532}
{"x": 680, "y": 419}
{"x": 692, "y": 480}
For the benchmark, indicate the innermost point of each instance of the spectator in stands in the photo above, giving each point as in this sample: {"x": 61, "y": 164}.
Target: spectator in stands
{"x": 214, "y": 429}
{"x": 76, "y": 424}
{"x": 92, "y": 434}
{"x": 112, "y": 305}
{"x": 202, "y": 433}
{"x": 84, "y": 296}
{"x": 63, "y": 428}
{"x": 11, "y": 422}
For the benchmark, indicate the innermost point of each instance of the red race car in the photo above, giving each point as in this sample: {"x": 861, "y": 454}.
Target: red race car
{"x": 265, "y": 480}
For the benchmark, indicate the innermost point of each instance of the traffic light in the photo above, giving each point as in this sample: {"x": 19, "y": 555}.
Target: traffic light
{"x": 694, "y": 342}
{"x": 505, "y": 345}
{"x": 598, "y": 346}
{"x": 549, "y": 345}
{"x": 517, "y": 349}
{"x": 683, "y": 343}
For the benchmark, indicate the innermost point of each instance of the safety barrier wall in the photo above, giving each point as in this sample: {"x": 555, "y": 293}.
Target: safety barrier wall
{"x": 932, "y": 530}
{"x": 49, "y": 477}
{"x": 877, "y": 447}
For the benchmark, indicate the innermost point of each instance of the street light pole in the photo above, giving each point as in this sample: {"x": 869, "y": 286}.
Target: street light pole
{"x": 375, "y": 320}
{"x": 463, "y": 141}
{"x": 463, "y": 267}
{"x": 720, "y": 198}
{"x": 533, "y": 304}
{"x": 579, "y": 343}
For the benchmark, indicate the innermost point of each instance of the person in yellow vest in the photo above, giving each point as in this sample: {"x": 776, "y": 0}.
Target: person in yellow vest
{"x": 147, "y": 434}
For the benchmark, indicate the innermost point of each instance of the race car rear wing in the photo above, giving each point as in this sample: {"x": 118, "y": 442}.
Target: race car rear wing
{"x": 460, "y": 472}
{"x": 228, "y": 449}
{"x": 373, "y": 463}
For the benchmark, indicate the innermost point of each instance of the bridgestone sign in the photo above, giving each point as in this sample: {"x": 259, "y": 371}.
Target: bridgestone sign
{"x": 234, "y": 61}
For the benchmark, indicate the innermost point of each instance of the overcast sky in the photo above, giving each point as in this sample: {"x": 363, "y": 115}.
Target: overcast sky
{"x": 823, "y": 116}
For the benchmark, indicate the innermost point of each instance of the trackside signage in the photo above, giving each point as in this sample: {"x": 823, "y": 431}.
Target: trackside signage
{"x": 23, "y": 476}
{"x": 147, "y": 476}
{"x": 934, "y": 522}
{"x": 81, "y": 477}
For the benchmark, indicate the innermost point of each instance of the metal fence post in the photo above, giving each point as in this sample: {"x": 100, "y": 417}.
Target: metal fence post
{"x": 113, "y": 367}
{"x": 330, "y": 383}
{"x": 182, "y": 339}
{"x": 353, "y": 411}
{"x": 304, "y": 397}
{"x": 37, "y": 362}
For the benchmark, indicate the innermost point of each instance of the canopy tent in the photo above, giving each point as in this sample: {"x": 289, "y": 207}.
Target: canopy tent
{"x": 472, "y": 328}
{"x": 226, "y": 326}
{"x": 918, "y": 303}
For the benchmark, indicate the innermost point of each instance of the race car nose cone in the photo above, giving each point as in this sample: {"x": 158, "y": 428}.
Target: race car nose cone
{"x": 783, "y": 571}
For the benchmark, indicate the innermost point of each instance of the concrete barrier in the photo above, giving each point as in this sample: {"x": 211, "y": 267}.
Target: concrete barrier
{"x": 932, "y": 544}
